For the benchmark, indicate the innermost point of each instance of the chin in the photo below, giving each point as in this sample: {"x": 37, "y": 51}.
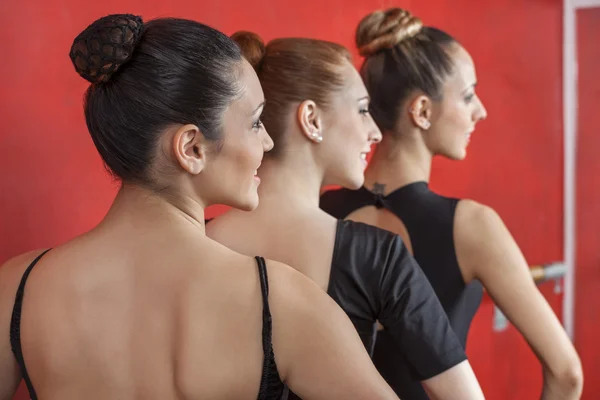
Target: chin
{"x": 250, "y": 203}
{"x": 456, "y": 155}
{"x": 354, "y": 183}
{"x": 246, "y": 206}
{"x": 461, "y": 156}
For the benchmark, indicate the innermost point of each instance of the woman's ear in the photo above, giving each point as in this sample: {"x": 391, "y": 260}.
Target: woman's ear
{"x": 190, "y": 148}
{"x": 309, "y": 118}
{"x": 420, "y": 111}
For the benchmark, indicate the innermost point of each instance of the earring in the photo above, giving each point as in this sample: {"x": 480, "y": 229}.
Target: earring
{"x": 423, "y": 124}
{"x": 316, "y": 137}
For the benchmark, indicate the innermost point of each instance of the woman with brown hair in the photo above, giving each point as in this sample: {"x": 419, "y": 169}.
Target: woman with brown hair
{"x": 422, "y": 87}
{"x": 317, "y": 111}
{"x": 145, "y": 305}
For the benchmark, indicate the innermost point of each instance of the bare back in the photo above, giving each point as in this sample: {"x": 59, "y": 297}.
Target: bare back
{"x": 384, "y": 219}
{"x": 147, "y": 310}
{"x": 159, "y": 314}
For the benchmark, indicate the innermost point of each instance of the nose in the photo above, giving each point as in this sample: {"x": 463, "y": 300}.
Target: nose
{"x": 267, "y": 142}
{"x": 375, "y": 134}
{"x": 481, "y": 111}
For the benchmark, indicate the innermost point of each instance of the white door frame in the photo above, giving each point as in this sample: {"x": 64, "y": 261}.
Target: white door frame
{"x": 570, "y": 71}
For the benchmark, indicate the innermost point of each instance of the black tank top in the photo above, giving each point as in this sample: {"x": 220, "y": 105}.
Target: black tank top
{"x": 429, "y": 220}
{"x": 374, "y": 278}
{"x": 271, "y": 387}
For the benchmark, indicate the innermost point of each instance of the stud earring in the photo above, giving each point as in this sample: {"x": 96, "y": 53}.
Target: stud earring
{"x": 316, "y": 137}
{"x": 424, "y": 124}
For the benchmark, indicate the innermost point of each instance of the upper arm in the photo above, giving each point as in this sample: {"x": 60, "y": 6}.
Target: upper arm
{"x": 486, "y": 251}
{"x": 318, "y": 351}
{"x": 456, "y": 383}
{"x": 10, "y": 277}
{"x": 413, "y": 315}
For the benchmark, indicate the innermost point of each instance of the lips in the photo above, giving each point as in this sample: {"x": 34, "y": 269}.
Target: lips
{"x": 256, "y": 170}
{"x": 365, "y": 154}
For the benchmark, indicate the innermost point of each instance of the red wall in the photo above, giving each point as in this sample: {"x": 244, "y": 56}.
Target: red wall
{"x": 54, "y": 187}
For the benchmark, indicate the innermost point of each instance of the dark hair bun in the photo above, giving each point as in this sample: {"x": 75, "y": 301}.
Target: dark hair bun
{"x": 385, "y": 29}
{"x": 252, "y": 46}
{"x": 104, "y": 46}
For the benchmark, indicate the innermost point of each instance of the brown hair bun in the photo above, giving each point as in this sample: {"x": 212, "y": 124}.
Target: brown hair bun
{"x": 104, "y": 46}
{"x": 252, "y": 46}
{"x": 385, "y": 29}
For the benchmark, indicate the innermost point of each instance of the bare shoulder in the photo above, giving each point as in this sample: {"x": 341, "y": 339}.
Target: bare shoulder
{"x": 476, "y": 222}
{"x": 238, "y": 266}
{"x": 10, "y": 277}
{"x": 294, "y": 294}
{"x": 290, "y": 293}
{"x": 483, "y": 242}
{"x": 284, "y": 278}
{"x": 12, "y": 271}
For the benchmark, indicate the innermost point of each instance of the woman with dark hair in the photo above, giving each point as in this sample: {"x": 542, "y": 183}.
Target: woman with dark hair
{"x": 145, "y": 306}
{"x": 422, "y": 87}
{"x": 317, "y": 111}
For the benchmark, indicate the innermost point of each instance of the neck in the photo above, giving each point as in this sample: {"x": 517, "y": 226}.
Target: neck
{"x": 397, "y": 162}
{"x": 295, "y": 179}
{"x": 142, "y": 207}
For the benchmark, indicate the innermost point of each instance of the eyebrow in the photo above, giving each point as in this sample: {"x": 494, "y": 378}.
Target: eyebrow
{"x": 471, "y": 86}
{"x": 257, "y": 108}
{"x": 364, "y": 98}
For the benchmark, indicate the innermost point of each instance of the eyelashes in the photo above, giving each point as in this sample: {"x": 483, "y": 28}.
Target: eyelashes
{"x": 258, "y": 125}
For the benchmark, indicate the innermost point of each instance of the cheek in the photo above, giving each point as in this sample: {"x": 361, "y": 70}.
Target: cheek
{"x": 249, "y": 153}
{"x": 347, "y": 137}
{"x": 237, "y": 157}
{"x": 345, "y": 141}
{"x": 456, "y": 122}
{"x": 465, "y": 115}
{"x": 356, "y": 131}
